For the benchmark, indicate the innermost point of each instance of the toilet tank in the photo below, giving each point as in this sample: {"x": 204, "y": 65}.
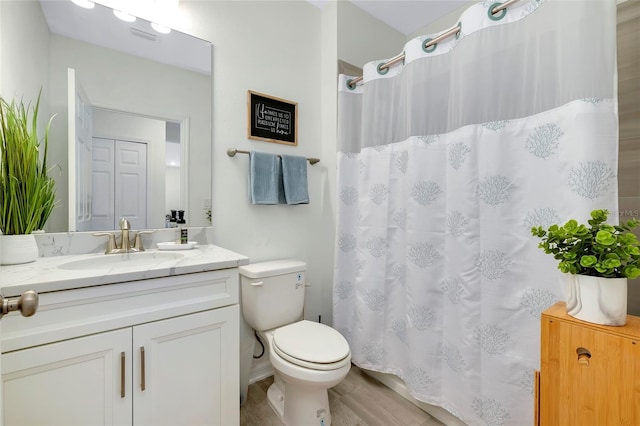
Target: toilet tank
{"x": 272, "y": 293}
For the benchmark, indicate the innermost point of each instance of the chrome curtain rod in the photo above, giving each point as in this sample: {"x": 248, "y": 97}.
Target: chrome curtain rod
{"x": 451, "y": 31}
{"x": 231, "y": 152}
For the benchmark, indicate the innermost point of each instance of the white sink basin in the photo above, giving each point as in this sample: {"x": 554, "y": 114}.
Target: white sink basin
{"x": 125, "y": 260}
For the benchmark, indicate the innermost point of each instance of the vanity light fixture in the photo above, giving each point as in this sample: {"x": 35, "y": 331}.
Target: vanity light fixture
{"x": 87, "y": 4}
{"x": 160, "y": 28}
{"x": 121, "y": 14}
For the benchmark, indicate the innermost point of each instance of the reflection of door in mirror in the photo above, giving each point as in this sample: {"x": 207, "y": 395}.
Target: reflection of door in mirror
{"x": 119, "y": 184}
{"x": 80, "y": 122}
{"x": 136, "y": 163}
{"x": 119, "y": 159}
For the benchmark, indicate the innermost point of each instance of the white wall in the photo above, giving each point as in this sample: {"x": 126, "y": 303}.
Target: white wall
{"x": 172, "y": 190}
{"x": 118, "y": 126}
{"x": 329, "y": 119}
{"x": 122, "y": 82}
{"x": 273, "y": 48}
{"x": 24, "y": 30}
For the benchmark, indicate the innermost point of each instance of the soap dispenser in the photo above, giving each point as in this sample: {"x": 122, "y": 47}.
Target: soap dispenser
{"x": 184, "y": 233}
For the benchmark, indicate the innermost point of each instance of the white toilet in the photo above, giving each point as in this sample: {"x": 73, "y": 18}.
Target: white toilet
{"x": 308, "y": 357}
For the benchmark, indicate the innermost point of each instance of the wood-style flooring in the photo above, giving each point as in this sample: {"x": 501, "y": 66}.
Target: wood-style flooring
{"x": 358, "y": 400}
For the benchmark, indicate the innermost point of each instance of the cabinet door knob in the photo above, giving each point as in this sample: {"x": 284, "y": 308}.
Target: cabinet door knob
{"x": 583, "y": 356}
{"x": 27, "y": 304}
{"x": 583, "y": 359}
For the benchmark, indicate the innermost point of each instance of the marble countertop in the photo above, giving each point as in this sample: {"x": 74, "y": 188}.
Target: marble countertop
{"x": 56, "y": 273}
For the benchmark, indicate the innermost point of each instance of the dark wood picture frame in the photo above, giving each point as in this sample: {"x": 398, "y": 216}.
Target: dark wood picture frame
{"x": 271, "y": 119}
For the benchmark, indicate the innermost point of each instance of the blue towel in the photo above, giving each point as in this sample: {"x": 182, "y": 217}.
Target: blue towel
{"x": 281, "y": 197}
{"x": 294, "y": 174}
{"x": 265, "y": 179}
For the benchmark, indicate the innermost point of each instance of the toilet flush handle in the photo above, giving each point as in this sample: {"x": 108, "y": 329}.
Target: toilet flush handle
{"x": 257, "y": 283}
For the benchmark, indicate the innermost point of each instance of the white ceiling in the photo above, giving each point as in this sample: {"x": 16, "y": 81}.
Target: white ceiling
{"x": 99, "y": 26}
{"x": 405, "y": 16}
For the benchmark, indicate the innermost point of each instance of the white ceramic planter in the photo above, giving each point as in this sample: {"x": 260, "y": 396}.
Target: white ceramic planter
{"x": 15, "y": 249}
{"x": 596, "y": 299}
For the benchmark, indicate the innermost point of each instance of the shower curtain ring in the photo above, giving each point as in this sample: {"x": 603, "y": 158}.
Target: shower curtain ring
{"x": 497, "y": 15}
{"x": 382, "y": 68}
{"x": 428, "y": 48}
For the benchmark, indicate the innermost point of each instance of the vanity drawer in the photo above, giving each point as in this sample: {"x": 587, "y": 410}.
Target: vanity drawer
{"x": 79, "y": 312}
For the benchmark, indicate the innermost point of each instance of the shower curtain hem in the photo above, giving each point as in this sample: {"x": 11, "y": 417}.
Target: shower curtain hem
{"x": 394, "y": 372}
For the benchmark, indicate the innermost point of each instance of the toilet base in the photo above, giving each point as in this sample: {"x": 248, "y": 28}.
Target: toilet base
{"x": 276, "y": 400}
{"x": 300, "y": 405}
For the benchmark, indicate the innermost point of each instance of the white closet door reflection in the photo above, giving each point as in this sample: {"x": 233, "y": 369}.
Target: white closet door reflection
{"x": 131, "y": 183}
{"x": 119, "y": 179}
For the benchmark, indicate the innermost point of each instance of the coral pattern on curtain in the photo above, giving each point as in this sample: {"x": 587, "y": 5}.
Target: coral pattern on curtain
{"x": 444, "y": 165}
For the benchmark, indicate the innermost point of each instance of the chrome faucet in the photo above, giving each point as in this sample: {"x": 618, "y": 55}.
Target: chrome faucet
{"x": 125, "y": 241}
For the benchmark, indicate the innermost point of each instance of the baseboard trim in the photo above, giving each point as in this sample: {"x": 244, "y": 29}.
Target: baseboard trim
{"x": 260, "y": 370}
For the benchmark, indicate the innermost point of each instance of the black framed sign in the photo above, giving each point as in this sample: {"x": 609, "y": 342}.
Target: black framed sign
{"x": 272, "y": 119}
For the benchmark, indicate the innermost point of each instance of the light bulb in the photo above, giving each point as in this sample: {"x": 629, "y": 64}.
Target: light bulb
{"x": 84, "y": 3}
{"x": 160, "y": 28}
{"x": 124, "y": 16}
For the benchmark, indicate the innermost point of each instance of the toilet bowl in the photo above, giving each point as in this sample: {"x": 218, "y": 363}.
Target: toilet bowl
{"x": 301, "y": 382}
{"x": 308, "y": 357}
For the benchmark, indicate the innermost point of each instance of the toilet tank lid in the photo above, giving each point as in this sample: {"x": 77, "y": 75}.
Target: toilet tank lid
{"x": 272, "y": 268}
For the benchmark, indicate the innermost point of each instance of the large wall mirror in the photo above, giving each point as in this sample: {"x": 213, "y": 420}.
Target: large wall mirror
{"x": 133, "y": 119}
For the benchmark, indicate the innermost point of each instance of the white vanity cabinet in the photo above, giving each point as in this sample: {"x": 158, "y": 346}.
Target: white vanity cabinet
{"x": 161, "y": 351}
{"x": 187, "y": 374}
{"x": 75, "y": 382}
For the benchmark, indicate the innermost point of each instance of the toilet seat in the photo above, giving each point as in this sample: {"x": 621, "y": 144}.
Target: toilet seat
{"x": 311, "y": 345}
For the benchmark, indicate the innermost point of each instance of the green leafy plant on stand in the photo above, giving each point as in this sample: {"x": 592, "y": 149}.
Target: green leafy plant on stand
{"x": 599, "y": 249}
{"x": 27, "y": 193}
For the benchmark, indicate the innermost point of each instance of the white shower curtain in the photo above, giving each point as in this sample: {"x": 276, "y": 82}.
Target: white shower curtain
{"x": 444, "y": 165}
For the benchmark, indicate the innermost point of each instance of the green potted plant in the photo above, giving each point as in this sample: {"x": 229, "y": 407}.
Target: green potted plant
{"x": 598, "y": 258}
{"x": 27, "y": 192}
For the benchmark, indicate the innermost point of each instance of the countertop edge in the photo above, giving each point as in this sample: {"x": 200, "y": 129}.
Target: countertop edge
{"x": 43, "y": 275}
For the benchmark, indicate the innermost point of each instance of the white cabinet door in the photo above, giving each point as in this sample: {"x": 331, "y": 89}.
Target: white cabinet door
{"x": 84, "y": 381}
{"x": 178, "y": 371}
{"x": 191, "y": 370}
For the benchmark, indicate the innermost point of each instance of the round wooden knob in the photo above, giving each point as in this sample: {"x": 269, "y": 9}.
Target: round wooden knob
{"x": 584, "y": 355}
{"x": 583, "y": 359}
